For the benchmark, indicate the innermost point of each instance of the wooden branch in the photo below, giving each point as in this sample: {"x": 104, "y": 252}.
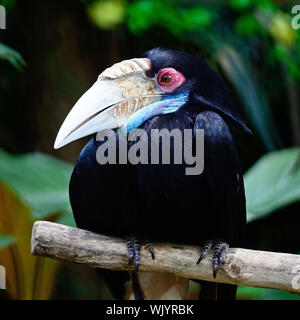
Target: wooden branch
{"x": 242, "y": 267}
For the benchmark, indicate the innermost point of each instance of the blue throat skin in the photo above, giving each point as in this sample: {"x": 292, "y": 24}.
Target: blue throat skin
{"x": 167, "y": 105}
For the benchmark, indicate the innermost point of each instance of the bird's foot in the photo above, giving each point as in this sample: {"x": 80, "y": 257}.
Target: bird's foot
{"x": 134, "y": 251}
{"x": 134, "y": 255}
{"x": 219, "y": 249}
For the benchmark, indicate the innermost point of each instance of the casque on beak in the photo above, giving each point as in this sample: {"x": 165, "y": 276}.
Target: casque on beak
{"x": 118, "y": 93}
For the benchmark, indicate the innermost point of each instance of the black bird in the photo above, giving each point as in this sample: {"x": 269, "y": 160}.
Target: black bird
{"x": 164, "y": 89}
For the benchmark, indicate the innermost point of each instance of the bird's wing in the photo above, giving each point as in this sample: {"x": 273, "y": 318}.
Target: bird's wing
{"x": 181, "y": 208}
{"x": 193, "y": 208}
{"x": 223, "y": 176}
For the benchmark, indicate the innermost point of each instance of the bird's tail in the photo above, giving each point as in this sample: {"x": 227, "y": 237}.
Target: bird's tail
{"x": 136, "y": 286}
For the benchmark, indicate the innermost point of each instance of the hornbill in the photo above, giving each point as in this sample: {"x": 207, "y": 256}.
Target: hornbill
{"x": 164, "y": 89}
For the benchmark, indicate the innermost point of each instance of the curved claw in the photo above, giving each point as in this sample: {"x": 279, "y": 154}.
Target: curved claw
{"x": 151, "y": 249}
{"x": 219, "y": 254}
{"x": 137, "y": 253}
{"x": 205, "y": 250}
{"x": 134, "y": 251}
{"x": 130, "y": 251}
{"x": 134, "y": 255}
{"x": 219, "y": 248}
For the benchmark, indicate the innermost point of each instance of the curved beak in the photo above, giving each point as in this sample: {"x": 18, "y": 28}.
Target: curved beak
{"x": 119, "y": 92}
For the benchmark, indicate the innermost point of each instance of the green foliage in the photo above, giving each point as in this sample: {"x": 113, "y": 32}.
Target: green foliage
{"x": 238, "y": 69}
{"x": 6, "y": 240}
{"x": 143, "y": 14}
{"x": 251, "y": 293}
{"x": 247, "y": 25}
{"x": 40, "y": 181}
{"x": 140, "y": 16}
{"x": 267, "y": 5}
{"x": 32, "y": 186}
{"x": 273, "y": 182}
{"x": 236, "y": 24}
{"x": 12, "y": 56}
{"x": 8, "y": 4}
{"x": 107, "y": 14}
{"x": 28, "y": 276}
{"x": 240, "y": 4}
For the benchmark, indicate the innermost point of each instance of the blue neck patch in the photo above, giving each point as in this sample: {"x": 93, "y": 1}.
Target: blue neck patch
{"x": 168, "y": 104}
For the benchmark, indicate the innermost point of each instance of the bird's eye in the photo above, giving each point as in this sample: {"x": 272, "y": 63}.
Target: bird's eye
{"x": 166, "y": 78}
{"x": 169, "y": 79}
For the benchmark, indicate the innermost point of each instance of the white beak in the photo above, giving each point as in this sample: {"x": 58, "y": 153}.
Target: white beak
{"x": 117, "y": 94}
{"x": 91, "y": 113}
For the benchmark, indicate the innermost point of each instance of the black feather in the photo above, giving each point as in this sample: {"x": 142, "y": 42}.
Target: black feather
{"x": 160, "y": 202}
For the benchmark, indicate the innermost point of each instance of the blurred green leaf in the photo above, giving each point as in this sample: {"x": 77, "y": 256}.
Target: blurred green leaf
{"x": 271, "y": 294}
{"x": 248, "y": 293}
{"x": 67, "y": 219}
{"x": 169, "y": 17}
{"x": 293, "y": 70}
{"x": 240, "y": 4}
{"x": 281, "y": 29}
{"x": 273, "y": 182}
{"x": 280, "y": 52}
{"x": 177, "y": 20}
{"x": 248, "y": 25}
{"x": 196, "y": 18}
{"x": 16, "y": 221}
{"x": 290, "y": 59}
{"x": 140, "y": 16}
{"x": 238, "y": 69}
{"x": 12, "y": 56}
{"x": 251, "y": 293}
{"x": 107, "y": 14}
{"x": 268, "y": 5}
{"x": 40, "y": 180}
{"x": 8, "y": 4}
{"x": 6, "y": 240}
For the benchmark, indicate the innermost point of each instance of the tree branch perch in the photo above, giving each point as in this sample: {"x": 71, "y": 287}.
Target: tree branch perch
{"x": 242, "y": 267}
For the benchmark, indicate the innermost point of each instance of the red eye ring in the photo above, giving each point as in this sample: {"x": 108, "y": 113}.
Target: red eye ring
{"x": 166, "y": 78}
{"x": 169, "y": 79}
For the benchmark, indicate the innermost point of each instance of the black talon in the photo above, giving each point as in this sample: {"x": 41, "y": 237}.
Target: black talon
{"x": 205, "y": 250}
{"x": 134, "y": 251}
{"x": 223, "y": 252}
{"x": 130, "y": 251}
{"x": 150, "y": 248}
{"x": 137, "y": 255}
{"x": 220, "y": 249}
{"x": 215, "y": 265}
{"x": 219, "y": 255}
